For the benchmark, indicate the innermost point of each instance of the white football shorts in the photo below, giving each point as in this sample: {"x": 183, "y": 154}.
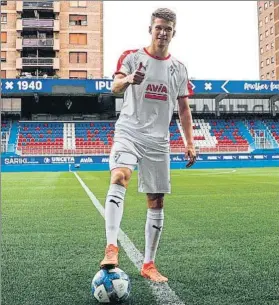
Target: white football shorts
{"x": 153, "y": 165}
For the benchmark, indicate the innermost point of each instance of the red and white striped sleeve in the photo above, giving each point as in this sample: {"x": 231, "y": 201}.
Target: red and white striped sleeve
{"x": 124, "y": 65}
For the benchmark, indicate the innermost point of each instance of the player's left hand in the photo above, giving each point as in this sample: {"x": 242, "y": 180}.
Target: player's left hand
{"x": 190, "y": 155}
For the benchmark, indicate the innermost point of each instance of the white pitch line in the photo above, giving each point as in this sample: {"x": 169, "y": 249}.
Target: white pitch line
{"x": 161, "y": 291}
{"x": 205, "y": 174}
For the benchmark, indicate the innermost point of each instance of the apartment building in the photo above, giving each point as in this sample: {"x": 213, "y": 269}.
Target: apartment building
{"x": 51, "y": 39}
{"x": 268, "y": 30}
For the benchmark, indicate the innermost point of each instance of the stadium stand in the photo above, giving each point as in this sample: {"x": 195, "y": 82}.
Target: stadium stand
{"x": 35, "y": 138}
{"x": 96, "y": 137}
{"x": 229, "y": 135}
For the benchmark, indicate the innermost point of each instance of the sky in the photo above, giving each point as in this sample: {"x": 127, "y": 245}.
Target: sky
{"x": 216, "y": 40}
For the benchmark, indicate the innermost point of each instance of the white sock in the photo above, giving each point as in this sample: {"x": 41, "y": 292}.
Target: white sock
{"x": 153, "y": 230}
{"x": 114, "y": 211}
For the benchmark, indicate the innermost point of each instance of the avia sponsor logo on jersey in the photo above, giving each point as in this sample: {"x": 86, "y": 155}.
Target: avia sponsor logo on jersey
{"x": 86, "y": 160}
{"x": 156, "y": 92}
{"x": 62, "y": 160}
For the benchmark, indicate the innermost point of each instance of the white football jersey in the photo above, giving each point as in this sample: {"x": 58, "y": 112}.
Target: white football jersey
{"x": 148, "y": 108}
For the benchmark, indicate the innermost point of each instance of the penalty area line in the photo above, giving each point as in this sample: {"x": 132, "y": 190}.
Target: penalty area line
{"x": 161, "y": 291}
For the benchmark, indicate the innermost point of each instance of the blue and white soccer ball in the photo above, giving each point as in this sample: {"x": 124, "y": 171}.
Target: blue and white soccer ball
{"x": 111, "y": 286}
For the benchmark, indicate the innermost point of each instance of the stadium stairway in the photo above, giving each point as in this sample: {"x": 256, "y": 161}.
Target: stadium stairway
{"x": 245, "y": 132}
{"x": 69, "y": 136}
{"x": 13, "y": 133}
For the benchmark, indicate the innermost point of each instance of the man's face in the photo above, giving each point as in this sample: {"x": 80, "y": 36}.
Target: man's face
{"x": 162, "y": 32}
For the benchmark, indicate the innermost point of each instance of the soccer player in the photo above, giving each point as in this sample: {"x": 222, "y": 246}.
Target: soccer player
{"x": 152, "y": 82}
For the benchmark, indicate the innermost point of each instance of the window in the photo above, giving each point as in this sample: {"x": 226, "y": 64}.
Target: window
{"x": 3, "y": 36}
{"x": 3, "y": 18}
{"x": 270, "y": 16}
{"x": 270, "y": 3}
{"x": 267, "y": 47}
{"x": 260, "y": 9}
{"x": 261, "y": 37}
{"x": 266, "y": 19}
{"x": 260, "y": 23}
{"x": 265, "y": 5}
{"x": 78, "y": 20}
{"x": 273, "y": 73}
{"x": 77, "y": 74}
{"x": 78, "y": 57}
{"x": 3, "y": 56}
{"x": 266, "y": 33}
{"x": 272, "y": 60}
{"x": 77, "y": 3}
{"x": 267, "y": 61}
{"x": 3, "y": 73}
{"x": 262, "y": 51}
{"x": 262, "y": 64}
{"x": 78, "y": 38}
{"x": 267, "y": 75}
{"x": 272, "y": 45}
{"x": 271, "y": 30}
{"x": 3, "y": 2}
{"x": 262, "y": 76}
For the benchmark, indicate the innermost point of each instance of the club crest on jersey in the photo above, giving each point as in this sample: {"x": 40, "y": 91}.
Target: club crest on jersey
{"x": 156, "y": 92}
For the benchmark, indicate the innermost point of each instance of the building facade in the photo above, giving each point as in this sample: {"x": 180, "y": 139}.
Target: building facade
{"x": 51, "y": 39}
{"x": 268, "y": 30}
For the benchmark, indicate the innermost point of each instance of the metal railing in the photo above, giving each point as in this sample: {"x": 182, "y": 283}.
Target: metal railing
{"x": 34, "y": 23}
{"x": 37, "y": 61}
{"x": 31, "y": 42}
{"x": 58, "y": 150}
{"x": 37, "y": 77}
{"x": 214, "y": 150}
{"x": 52, "y": 150}
{"x": 38, "y": 4}
{"x": 5, "y": 135}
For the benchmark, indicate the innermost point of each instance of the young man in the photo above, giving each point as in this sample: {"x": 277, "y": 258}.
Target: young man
{"x": 152, "y": 81}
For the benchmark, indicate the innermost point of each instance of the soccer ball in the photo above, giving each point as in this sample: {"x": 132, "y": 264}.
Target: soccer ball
{"x": 111, "y": 286}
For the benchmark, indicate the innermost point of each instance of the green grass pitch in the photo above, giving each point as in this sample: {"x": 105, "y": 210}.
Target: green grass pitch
{"x": 220, "y": 243}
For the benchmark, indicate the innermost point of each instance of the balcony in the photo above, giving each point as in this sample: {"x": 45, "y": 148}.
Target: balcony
{"x": 37, "y": 62}
{"x": 31, "y": 23}
{"x": 51, "y": 43}
{"x": 38, "y": 5}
